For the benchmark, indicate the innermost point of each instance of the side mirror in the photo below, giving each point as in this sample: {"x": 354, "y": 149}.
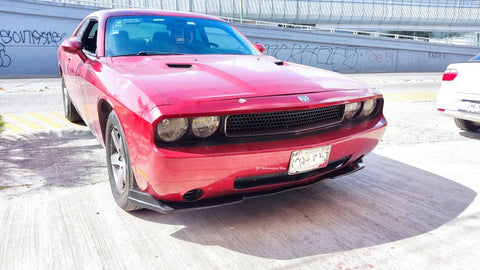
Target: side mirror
{"x": 74, "y": 46}
{"x": 260, "y": 48}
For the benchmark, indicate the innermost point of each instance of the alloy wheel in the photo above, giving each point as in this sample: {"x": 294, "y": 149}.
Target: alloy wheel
{"x": 118, "y": 160}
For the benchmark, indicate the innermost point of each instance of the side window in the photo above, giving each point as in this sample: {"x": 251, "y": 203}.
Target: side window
{"x": 81, "y": 30}
{"x": 475, "y": 58}
{"x": 89, "y": 37}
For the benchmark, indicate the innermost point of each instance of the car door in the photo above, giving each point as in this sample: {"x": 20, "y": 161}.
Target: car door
{"x": 71, "y": 63}
{"x": 78, "y": 66}
{"x": 87, "y": 77}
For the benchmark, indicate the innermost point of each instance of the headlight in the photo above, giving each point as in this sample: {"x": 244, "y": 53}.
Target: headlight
{"x": 351, "y": 109}
{"x": 203, "y": 127}
{"x": 369, "y": 106}
{"x": 170, "y": 130}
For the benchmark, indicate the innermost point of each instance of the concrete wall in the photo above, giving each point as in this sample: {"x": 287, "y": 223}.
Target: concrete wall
{"x": 31, "y": 31}
{"x": 348, "y": 53}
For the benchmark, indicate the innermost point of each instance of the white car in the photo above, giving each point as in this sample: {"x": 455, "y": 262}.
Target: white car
{"x": 459, "y": 94}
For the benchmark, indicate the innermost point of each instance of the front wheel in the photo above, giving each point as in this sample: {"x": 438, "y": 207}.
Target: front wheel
{"x": 69, "y": 110}
{"x": 118, "y": 163}
{"x": 466, "y": 125}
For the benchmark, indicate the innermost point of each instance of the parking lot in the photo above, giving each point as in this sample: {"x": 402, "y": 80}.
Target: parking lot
{"x": 414, "y": 206}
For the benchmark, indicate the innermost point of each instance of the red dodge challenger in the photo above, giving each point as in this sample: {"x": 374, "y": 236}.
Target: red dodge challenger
{"x": 193, "y": 115}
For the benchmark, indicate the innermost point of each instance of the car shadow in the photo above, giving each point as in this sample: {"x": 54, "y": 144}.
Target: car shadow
{"x": 39, "y": 161}
{"x": 386, "y": 202}
{"x": 471, "y": 134}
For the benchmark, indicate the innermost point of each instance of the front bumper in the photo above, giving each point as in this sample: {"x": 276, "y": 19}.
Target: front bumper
{"x": 166, "y": 175}
{"x": 148, "y": 201}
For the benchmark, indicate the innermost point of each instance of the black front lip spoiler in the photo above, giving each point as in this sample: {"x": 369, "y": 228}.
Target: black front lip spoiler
{"x": 147, "y": 201}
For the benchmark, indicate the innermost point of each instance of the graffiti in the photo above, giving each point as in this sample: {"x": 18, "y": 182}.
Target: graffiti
{"x": 380, "y": 56}
{"x": 5, "y": 59}
{"x": 348, "y": 56}
{"x": 274, "y": 49}
{"x": 375, "y": 57}
{"x": 26, "y": 38}
{"x": 436, "y": 55}
{"x": 31, "y": 37}
{"x": 337, "y": 58}
{"x": 334, "y": 57}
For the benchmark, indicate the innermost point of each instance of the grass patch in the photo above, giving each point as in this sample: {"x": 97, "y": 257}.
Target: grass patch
{"x": 15, "y": 186}
{"x": 2, "y": 124}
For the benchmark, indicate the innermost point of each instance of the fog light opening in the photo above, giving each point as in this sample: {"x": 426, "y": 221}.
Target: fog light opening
{"x": 193, "y": 195}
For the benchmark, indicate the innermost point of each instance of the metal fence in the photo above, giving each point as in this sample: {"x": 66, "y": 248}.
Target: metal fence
{"x": 373, "y": 12}
{"x": 364, "y": 17}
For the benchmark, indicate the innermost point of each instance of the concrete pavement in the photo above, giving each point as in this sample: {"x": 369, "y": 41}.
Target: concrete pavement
{"x": 414, "y": 206}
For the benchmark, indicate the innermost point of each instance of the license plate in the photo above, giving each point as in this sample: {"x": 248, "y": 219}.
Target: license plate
{"x": 468, "y": 106}
{"x": 309, "y": 160}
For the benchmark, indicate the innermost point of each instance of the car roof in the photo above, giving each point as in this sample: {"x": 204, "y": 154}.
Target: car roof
{"x": 107, "y": 13}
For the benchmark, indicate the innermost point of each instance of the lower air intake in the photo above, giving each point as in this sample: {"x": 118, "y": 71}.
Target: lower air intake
{"x": 271, "y": 179}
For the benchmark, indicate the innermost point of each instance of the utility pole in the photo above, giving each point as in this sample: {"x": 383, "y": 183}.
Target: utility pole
{"x": 241, "y": 11}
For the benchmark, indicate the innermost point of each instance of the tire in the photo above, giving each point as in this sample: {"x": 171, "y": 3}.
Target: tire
{"x": 466, "y": 125}
{"x": 118, "y": 163}
{"x": 69, "y": 110}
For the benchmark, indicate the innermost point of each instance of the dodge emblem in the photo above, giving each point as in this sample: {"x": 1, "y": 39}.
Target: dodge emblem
{"x": 303, "y": 98}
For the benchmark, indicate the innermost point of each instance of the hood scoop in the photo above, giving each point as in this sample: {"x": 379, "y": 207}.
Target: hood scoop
{"x": 279, "y": 63}
{"x": 179, "y": 65}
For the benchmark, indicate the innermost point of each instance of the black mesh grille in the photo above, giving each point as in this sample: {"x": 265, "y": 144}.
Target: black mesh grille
{"x": 282, "y": 122}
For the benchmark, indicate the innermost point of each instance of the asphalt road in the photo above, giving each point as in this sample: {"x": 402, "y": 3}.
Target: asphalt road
{"x": 414, "y": 206}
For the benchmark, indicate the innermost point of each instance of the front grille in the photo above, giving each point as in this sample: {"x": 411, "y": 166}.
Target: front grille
{"x": 254, "y": 124}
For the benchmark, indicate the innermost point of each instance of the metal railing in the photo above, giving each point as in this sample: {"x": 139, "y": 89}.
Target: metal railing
{"x": 434, "y": 12}
{"x": 459, "y": 40}
{"x": 334, "y": 14}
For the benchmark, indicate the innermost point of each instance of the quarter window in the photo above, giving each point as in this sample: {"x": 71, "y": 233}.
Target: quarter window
{"x": 89, "y": 37}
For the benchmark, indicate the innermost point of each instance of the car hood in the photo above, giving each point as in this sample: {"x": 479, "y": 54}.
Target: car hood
{"x": 191, "y": 78}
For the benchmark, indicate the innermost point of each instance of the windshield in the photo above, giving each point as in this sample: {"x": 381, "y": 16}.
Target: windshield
{"x": 476, "y": 58}
{"x": 163, "y": 35}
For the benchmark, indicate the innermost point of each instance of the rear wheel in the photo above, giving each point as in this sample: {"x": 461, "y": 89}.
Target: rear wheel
{"x": 466, "y": 125}
{"x": 118, "y": 163}
{"x": 69, "y": 110}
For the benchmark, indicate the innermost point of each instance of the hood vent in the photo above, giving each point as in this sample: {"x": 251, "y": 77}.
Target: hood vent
{"x": 179, "y": 65}
{"x": 279, "y": 63}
